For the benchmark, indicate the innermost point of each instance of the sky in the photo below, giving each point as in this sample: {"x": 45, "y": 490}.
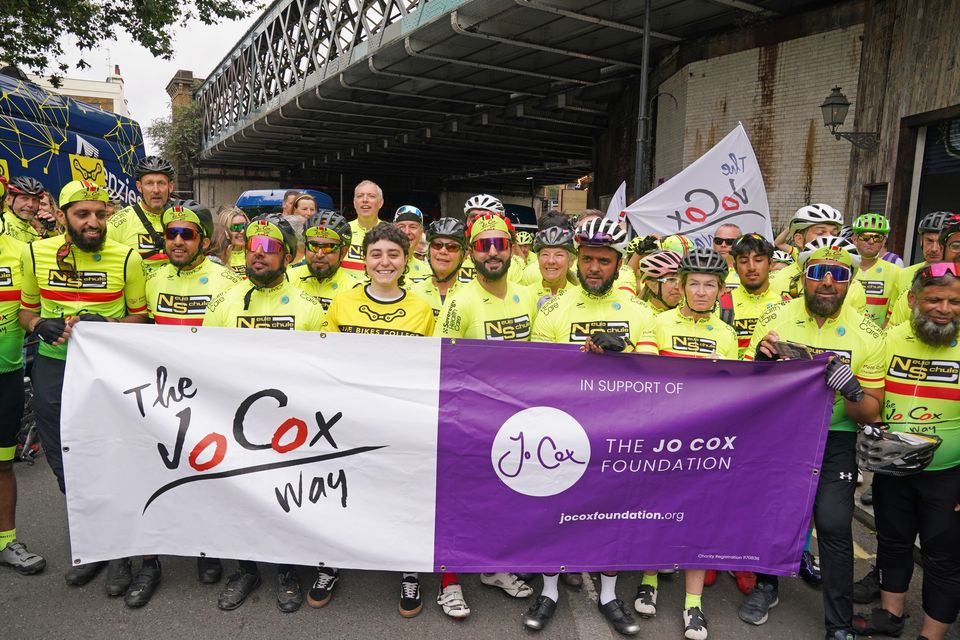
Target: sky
{"x": 197, "y": 48}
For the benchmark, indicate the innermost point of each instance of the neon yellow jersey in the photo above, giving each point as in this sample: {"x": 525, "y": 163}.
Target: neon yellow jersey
{"x": 531, "y": 258}
{"x": 575, "y": 315}
{"x": 427, "y": 290}
{"x": 851, "y": 336}
{"x": 238, "y": 262}
{"x": 905, "y": 277}
{"x": 11, "y": 279}
{"x": 747, "y": 308}
{"x": 880, "y": 285}
{"x": 109, "y": 282}
{"x": 356, "y": 311}
{"x": 417, "y": 271}
{"x": 531, "y": 273}
{"x": 733, "y": 280}
{"x": 17, "y": 228}
{"x": 181, "y": 297}
{"x": 281, "y": 307}
{"x": 626, "y": 279}
{"x": 542, "y": 293}
{"x": 354, "y": 258}
{"x": 922, "y": 392}
{"x": 786, "y": 281}
{"x": 900, "y": 311}
{"x": 677, "y": 335}
{"x": 125, "y": 227}
{"x": 323, "y": 291}
{"x": 472, "y": 312}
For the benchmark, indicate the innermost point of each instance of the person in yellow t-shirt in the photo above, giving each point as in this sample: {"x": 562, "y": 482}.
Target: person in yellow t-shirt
{"x": 138, "y": 226}
{"x": 326, "y": 237}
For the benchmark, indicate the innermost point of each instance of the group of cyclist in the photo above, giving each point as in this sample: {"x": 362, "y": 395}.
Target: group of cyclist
{"x": 891, "y": 334}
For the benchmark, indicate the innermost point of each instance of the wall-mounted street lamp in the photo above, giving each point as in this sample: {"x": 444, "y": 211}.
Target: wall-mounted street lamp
{"x": 834, "y": 110}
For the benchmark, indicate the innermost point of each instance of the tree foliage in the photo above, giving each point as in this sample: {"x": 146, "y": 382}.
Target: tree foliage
{"x": 34, "y": 30}
{"x": 177, "y": 135}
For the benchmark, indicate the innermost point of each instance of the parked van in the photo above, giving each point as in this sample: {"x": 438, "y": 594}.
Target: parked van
{"x": 256, "y": 202}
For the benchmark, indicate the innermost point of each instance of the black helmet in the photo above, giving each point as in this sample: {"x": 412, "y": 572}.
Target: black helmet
{"x": 448, "y": 228}
{"x": 26, "y": 186}
{"x": 153, "y": 164}
{"x": 893, "y": 453}
{"x": 704, "y": 260}
{"x": 557, "y": 237}
{"x": 277, "y": 220}
{"x": 190, "y": 211}
{"x": 328, "y": 219}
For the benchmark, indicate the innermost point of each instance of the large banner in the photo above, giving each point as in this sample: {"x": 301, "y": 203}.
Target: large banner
{"x": 416, "y": 454}
{"x": 723, "y": 186}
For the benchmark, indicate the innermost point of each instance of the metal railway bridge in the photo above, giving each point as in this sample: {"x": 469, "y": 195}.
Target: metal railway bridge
{"x": 446, "y": 94}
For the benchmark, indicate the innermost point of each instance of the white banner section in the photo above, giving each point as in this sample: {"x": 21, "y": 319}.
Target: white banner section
{"x": 723, "y": 186}
{"x": 269, "y": 445}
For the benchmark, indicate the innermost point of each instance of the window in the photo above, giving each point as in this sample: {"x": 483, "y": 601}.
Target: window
{"x": 876, "y": 198}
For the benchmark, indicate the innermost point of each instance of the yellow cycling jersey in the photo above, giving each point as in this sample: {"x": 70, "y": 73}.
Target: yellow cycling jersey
{"x": 899, "y": 310}
{"x": 677, "y": 335}
{"x": 237, "y": 261}
{"x": 922, "y": 392}
{"x": 733, "y": 280}
{"x": 880, "y": 284}
{"x": 181, "y": 297}
{"x": 789, "y": 284}
{"x": 427, "y": 290}
{"x": 542, "y": 293}
{"x": 354, "y": 258}
{"x": 747, "y": 309}
{"x": 11, "y": 279}
{"x": 853, "y": 337}
{"x": 108, "y": 282}
{"x": 125, "y": 227}
{"x": 324, "y": 291}
{"x": 281, "y": 307}
{"x": 356, "y": 311}
{"x": 472, "y": 312}
{"x": 574, "y": 315}
{"x": 417, "y": 271}
{"x": 17, "y": 228}
{"x": 906, "y": 275}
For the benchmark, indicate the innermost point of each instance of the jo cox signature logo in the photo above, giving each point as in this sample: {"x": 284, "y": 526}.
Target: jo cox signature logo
{"x": 540, "y": 451}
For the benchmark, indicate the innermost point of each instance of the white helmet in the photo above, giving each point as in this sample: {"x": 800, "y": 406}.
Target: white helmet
{"x": 815, "y": 214}
{"x": 782, "y": 256}
{"x": 483, "y": 201}
{"x": 601, "y": 232}
{"x": 829, "y": 242}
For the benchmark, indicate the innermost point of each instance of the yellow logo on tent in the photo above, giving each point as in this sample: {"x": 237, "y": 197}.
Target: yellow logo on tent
{"x": 85, "y": 168}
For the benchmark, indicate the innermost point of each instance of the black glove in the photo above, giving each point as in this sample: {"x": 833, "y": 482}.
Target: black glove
{"x": 50, "y": 329}
{"x": 91, "y": 317}
{"x": 760, "y": 356}
{"x": 840, "y": 378}
{"x": 609, "y": 341}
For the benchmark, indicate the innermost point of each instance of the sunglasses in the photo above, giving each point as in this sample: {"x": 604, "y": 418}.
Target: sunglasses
{"x": 323, "y": 247}
{"x": 871, "y": 237}
{"x": 450, "y": 247}
{"x": 265, "y": 244}
{"x": 671, "y": 280}
{"x": 938, "y": 270}
{"x": 171, "y": 233}
{"x": 64, "y": 253}
{"x": 484, "y": 245}
{"x": 727, "y": 241}
{"x": 743, "y": 238}
{"x": 838, "y": 272}
{"x": 238, "y": 226}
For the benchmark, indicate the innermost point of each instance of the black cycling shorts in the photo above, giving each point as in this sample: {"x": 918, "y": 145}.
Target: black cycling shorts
{"x": 11, "y": 412}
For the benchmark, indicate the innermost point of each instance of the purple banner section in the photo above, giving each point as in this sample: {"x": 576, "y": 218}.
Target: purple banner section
{"x": 550, "y": 459}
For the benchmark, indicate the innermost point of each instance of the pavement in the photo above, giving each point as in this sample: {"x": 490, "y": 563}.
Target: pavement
{"x": 365, "y": 603}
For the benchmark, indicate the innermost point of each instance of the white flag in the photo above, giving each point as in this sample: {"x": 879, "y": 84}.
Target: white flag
{"x": 615, "y": 210}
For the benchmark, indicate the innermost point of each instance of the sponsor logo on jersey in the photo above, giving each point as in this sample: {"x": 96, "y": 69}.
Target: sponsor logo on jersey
{"x": 693, "y": 344}
{"x": 580, "y": 331}
{"x": 6, "y": 277}
{"x": 744, "y": 326}
{"x": 466, "y": 274}
{"x": 924, "y": 370}
{"x": 355, "y": 252}
{"x": 77, "y": 279}
{"x": 348, "y": 328}
{"x": 324, "y": 302}
{"x": 145, "y": 242}
{"x": 873, "y": 287}
{"x": 265, "y": 322}
{"x": 376, "y": 316}
{"x": 846, "y": 357}
{"x": 507, "y": 328}
{"x": 182, "y": 305}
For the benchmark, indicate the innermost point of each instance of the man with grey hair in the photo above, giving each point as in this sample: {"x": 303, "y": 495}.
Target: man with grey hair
{"x": 367, "y": 201}
{"x": 723, "y": 239}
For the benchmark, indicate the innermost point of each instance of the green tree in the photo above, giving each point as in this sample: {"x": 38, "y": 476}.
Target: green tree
{"x": 177, "y": 136}
{"x": 35, "y": 29}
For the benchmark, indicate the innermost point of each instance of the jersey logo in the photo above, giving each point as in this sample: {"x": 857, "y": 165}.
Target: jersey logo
{"x": 355, "y": 252}
{"x": 386, "y": 317}
{"x": 77, "y": 279}
{"x": 846, "y": 357}
{"x": 924, "y": 370}
{"x": 466, "y": 274}
{"x": 324, "y": 302}
{"x": 873, "y": 287}
{"x": 507, "y": 328}
{"x": 182, "y": 305}
{"x": 265, "y": 322}
{"x": 145, "y": 243}
{"x": 240, "y": 269}
{"x": 693, "y": 344}
{"x": 744, "y": 326}
{"x": 6, "y": 277}
{"x": 580, "y": 331}
{"x": 349, "y": 328}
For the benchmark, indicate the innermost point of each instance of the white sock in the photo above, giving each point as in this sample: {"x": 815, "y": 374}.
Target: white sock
{"x": 550, "y": 586}
{"x": 608, "y": 588}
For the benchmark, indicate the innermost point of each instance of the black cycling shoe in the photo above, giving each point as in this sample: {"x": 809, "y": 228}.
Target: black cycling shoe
{"x": 143, "y": 586}
{"x": 616, "y": 613}
{"x": 239, "y": 586}
{"x": 526, "y": 577}
{"x": 572, "y": 580}
{"x": 867, "y": 588}
{"x": 879, "y": 622}
{"x": 539, "y": 613}
{"x": 81, "y": 574}
{"x": 209, "y": 570}
{"x": 289, "y": 595}
{"x": 118, "y": 577}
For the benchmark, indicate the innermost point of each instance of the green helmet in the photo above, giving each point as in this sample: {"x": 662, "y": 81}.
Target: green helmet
{"x": 871, "y": 222}
{"x": 524, "y": 237}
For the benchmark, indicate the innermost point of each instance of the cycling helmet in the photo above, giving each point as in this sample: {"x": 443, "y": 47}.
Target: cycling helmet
{"x": 704, "y": 260}
{"x": 601, "y": 232}
{"x": 524, "y": 237}
{"x": 190, "y": 211}
{"x": 557, "y": 237}
{"x": 485, "y": 202}
{"x": 275, "y": 220}
{"x": 782, "y": 256}
{"x": 894, "y": 453}
{"x": 660, "y": 264}
{"x": 448, "y": 228}
{"x": 815, "y": 214}
{"x": 846, "y": 232}
{"x": 328, "y": 224}
{"x": 950, "y": 226}
{"x": 153, "y": 164}
{"x": 933, "y": 221}
{"x": 26, "y": 186}
{"x": 871, "y": 222}
{"x": 829, "y": 242}
{"x": 408, "y": 213}
{"x": 677, "y": 243}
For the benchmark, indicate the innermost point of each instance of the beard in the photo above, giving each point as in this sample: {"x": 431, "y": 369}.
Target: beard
{"x": 933, "y": 334}
{"x": 324, "y": 273}
{"x": 601, "y": 288}
{"x": 824, "y": 308}
{"x": 489, "y": 274}
{"x": 82, "y": 243}
{"x": 266, "y": 278}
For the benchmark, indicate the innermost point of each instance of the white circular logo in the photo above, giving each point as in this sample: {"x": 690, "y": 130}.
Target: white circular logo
{"x": 540, "y": 451}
